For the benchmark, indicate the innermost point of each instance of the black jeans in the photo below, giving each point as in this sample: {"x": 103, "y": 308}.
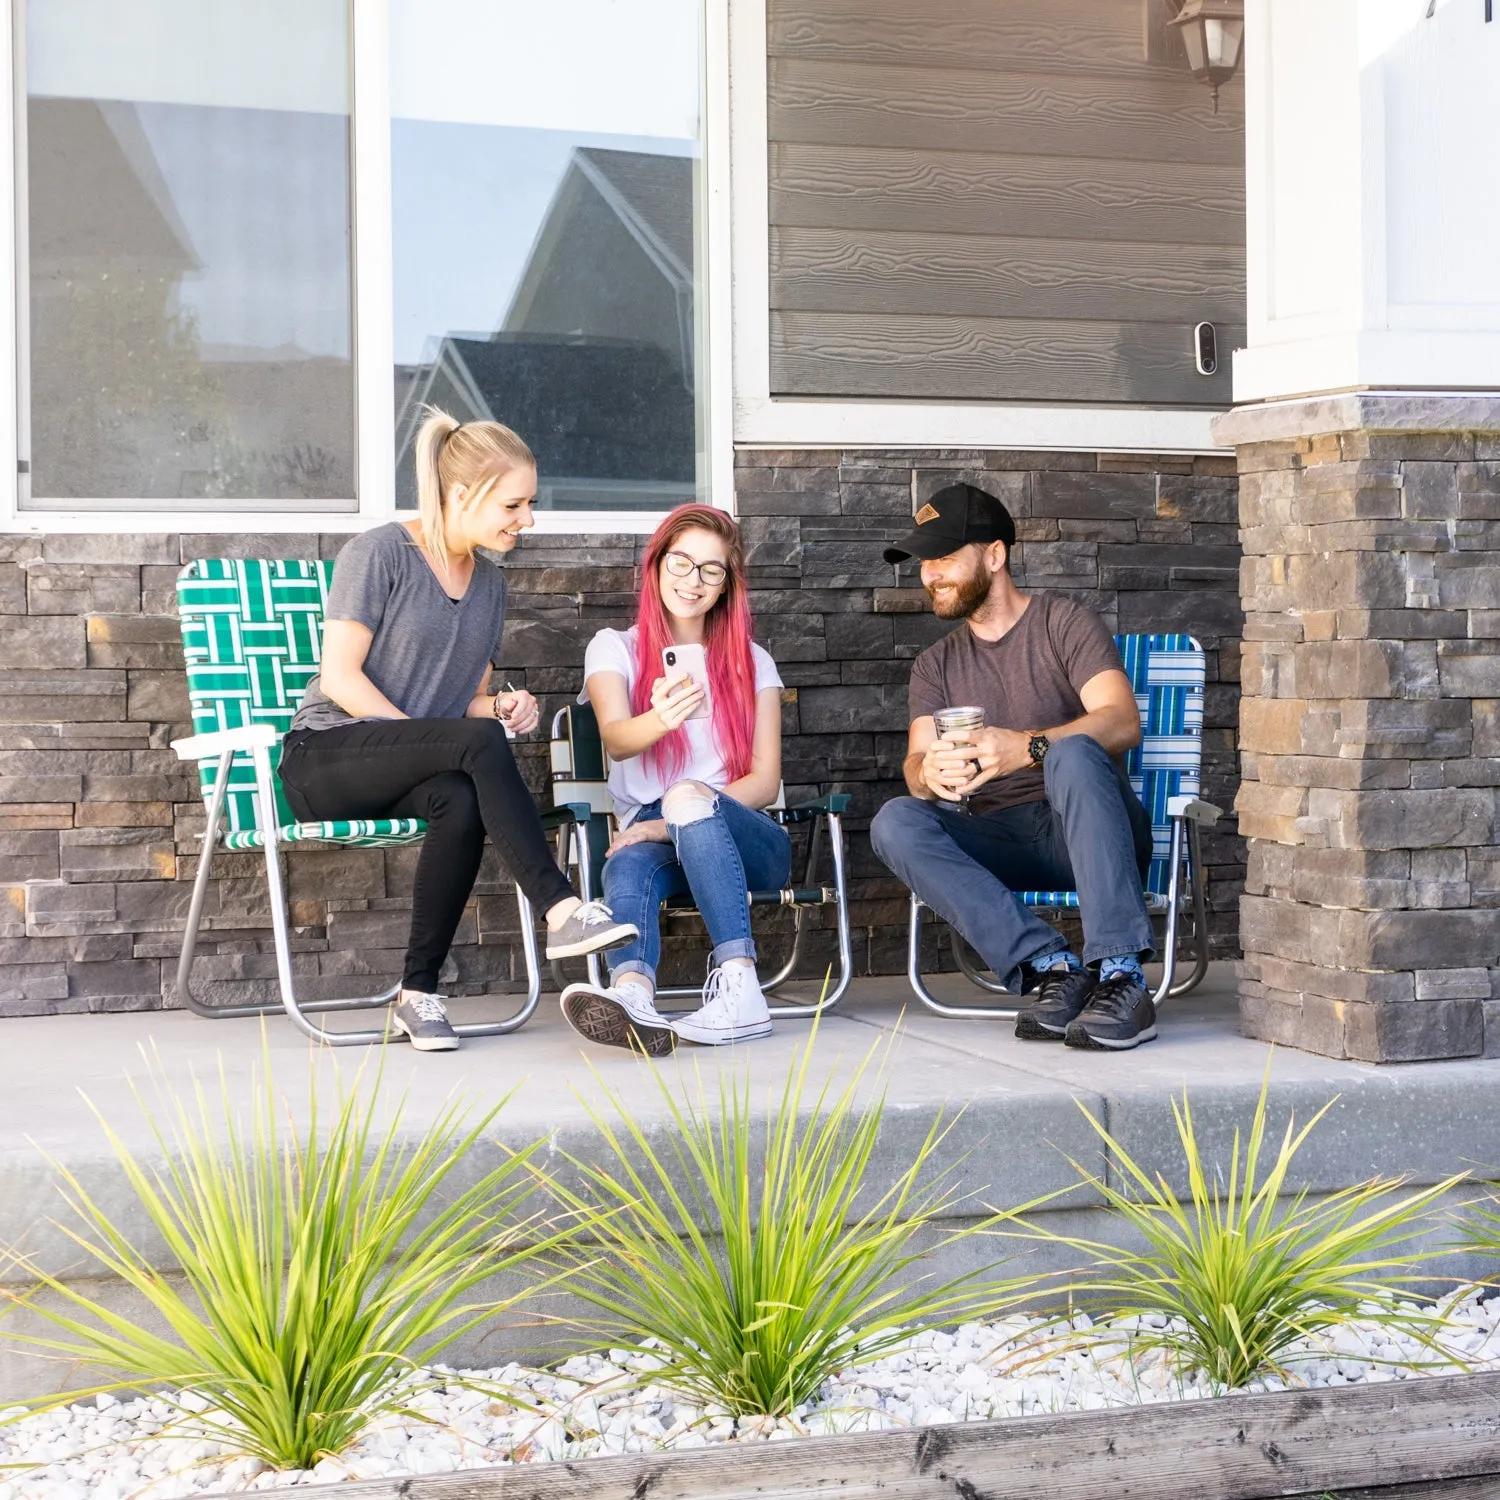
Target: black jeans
{"x": 458, "y": 774}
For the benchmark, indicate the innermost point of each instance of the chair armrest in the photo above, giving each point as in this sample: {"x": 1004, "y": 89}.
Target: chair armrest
{"x": 1192, "y": 808}
{"x": 211, "y": 746}
{"x": 566, "y": 813}
{"x": 835, "y": 803}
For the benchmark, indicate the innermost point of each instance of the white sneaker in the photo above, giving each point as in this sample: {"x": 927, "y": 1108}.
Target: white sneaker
{"x": 624, "y": 1015}
{"x": 734, "y": 1009}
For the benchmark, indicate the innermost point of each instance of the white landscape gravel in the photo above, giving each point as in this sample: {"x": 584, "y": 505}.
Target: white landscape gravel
{"x": 123, "y": 1450}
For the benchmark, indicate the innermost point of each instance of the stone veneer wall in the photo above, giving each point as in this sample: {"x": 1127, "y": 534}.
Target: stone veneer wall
{"x": 99, "y": 824}
{"x": 1371, "y": 724}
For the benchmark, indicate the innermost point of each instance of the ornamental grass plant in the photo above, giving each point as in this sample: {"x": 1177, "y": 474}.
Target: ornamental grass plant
{"x": 1246, "y": 1267}
{"x": 317, "y": 1265}
{"x": 758, "y": 1258}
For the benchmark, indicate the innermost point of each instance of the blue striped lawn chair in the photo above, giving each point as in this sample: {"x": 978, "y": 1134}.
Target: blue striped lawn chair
{"x": 252, "y": 635}
{"x": 1167, "y": 674}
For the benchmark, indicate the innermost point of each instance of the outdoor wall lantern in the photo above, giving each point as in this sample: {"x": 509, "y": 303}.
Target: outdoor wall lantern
{"x": 1213, "y": 35}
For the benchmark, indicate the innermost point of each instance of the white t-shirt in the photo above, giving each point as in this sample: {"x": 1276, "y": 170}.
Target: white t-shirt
{"x": 632, "y": 783}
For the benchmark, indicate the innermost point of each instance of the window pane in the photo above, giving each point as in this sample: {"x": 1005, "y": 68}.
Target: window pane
{"x": 187, "y": 228}
{"x": 545, "y": 205}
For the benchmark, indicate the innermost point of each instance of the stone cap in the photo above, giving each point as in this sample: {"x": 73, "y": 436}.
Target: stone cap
{"x": 1352, "y": 411}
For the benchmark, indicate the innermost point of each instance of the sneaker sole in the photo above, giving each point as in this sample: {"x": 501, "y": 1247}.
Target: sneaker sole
{"x": 1029, "y": 1029}
{"x": 616, "y": 937}
{"x": 1085, "y": 1042}
{"x": 607, "y": 1023}
{"x": 425, "y": 1043}
{"x": 723, "y": 1038}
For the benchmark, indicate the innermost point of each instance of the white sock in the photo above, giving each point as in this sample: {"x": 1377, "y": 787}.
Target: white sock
{"x": 560, "y": 913}
{"x": 633, "y": 981}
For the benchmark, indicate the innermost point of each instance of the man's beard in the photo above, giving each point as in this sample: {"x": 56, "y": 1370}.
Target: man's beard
{"x": 968, "y": 594}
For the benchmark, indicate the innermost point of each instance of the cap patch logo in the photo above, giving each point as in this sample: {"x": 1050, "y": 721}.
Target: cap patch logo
{"x": 926, "y": 514}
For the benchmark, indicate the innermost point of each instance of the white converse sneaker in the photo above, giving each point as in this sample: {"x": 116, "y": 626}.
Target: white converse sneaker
{"x": 624, "y": 1015}
{"x": 734, "y": 1009}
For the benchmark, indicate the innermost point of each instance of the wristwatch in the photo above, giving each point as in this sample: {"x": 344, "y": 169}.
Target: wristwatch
{"x": 1037, "y": 747}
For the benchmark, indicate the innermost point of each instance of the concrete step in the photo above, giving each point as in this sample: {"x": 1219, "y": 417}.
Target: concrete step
{"x": 1020, "y": 1124}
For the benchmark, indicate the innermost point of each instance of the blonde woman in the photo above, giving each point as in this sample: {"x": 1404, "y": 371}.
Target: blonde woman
{"x": 398, "y": 723}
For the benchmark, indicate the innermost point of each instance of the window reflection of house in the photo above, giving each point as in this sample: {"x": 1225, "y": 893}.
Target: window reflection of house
{"x": 593, "y": 360}
{"x": 614, "y": 256}
{"x": 128, "y": 396}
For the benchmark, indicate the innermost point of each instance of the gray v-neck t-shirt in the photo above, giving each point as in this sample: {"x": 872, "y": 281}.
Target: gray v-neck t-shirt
{"x": 430, "y": 651}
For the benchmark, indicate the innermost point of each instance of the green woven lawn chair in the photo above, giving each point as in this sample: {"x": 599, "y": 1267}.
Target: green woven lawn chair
{"x": 252, "y": 633}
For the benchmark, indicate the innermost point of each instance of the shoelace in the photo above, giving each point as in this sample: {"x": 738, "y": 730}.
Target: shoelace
{"x": 1113, "y": 995}
{"x": 1052, "y": 981}
{"x": 592, "y": 913}
{"x": 427, "y": 1007}
{"x": 713, "y": 988}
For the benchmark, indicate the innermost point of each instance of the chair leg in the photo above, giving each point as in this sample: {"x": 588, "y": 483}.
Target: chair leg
{"x": 845, "y": 940}
{"x": 1198, "y": 887}
{"x": 195, "y": 918}
{"x": 1174, "y": 907}
{"x": 799, "y": 918}
{"x": 845, "y": 943}
{"x": 966, "y": 965}
{"x": 919, "y": 985}
{"x": 195, "y": 909}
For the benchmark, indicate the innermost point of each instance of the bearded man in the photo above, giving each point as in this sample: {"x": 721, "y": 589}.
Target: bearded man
{"x": 1039, "y": 799}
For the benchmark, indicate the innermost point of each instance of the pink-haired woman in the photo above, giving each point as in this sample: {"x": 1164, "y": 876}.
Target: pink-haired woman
{"x": 694, "y": 764}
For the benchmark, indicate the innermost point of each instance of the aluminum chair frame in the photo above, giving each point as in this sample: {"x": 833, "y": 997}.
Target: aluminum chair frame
{"x": 219, "y": 747}
{"x": 582, "y": 844}
{"x": 1186, "y": 815}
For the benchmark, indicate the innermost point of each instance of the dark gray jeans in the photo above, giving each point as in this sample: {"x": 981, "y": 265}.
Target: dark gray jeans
{"x": 1091, "y": 835}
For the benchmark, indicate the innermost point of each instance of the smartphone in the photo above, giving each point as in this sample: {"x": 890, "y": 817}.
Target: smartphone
{"x": 688, "y": 661}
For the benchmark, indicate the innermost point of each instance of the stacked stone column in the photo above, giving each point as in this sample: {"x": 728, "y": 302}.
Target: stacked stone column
{"x": 1370, "y": 724}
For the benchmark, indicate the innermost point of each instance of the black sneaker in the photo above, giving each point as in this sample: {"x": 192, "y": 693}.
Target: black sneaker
{"x": 1060, "y": 998}
{"x": 1119, "y": 1016}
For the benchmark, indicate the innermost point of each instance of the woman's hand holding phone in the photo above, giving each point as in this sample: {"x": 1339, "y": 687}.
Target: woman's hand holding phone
{"x": 675, "y": 700}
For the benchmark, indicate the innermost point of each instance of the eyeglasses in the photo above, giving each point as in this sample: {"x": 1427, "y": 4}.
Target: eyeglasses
{"x": 710, "y": 574}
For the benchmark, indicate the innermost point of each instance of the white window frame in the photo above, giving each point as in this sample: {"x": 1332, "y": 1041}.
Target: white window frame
{"x": 374, "y": 318}
{"x": 763, "y": 420}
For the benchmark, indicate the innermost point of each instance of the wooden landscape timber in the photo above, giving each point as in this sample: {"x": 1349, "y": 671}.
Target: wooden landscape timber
{"x": 1422, "y": 1434}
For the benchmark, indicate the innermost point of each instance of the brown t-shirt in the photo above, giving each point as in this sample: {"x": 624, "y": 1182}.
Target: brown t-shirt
{"x": 1029, "y": 679}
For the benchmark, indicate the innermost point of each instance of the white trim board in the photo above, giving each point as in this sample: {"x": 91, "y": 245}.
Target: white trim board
{"x": 305, "y": 523}
{"x": 764, "y": 423}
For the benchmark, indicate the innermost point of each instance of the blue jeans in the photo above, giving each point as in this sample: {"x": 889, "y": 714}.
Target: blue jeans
{"x": 718, "y": 860}
{"x": 1090, "y": 835}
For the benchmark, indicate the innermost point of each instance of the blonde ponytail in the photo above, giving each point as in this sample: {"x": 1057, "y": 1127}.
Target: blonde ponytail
{"x": 449, "y": 454}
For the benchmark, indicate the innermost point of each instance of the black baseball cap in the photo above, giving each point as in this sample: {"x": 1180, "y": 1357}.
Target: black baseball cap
{"x": 956, "y": 515}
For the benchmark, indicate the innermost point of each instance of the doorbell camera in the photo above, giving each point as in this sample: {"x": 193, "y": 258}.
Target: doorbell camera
{"x": 1206, "y": 349}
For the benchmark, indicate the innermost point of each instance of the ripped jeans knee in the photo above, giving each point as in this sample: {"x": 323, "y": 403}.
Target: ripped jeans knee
{"x": 688, "y": 802}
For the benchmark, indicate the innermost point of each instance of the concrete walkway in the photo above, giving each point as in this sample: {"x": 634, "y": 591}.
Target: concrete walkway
{"x": 1021, "y": 1119}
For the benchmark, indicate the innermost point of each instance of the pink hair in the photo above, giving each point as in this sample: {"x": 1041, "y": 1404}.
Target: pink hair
{"x": 726, "y": 639}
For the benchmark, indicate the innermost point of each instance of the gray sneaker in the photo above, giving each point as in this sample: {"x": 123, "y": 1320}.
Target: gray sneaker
{"x": 424, "y": 1018}
{"x": 590, "y": 928}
